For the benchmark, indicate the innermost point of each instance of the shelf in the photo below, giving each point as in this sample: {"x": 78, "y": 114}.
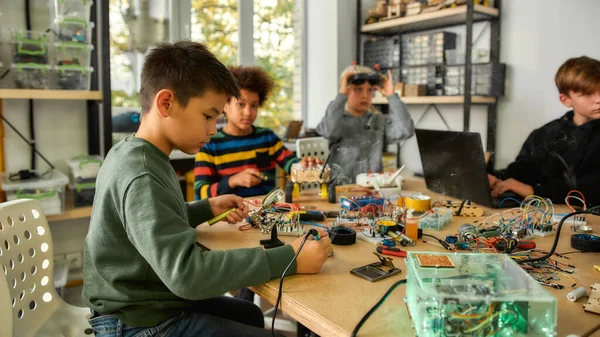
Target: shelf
{"x": 438, "y": 100}
{"x": 442, "y": 18}
{"x": 84, "y": 95}
{"x": 71, "y": 213}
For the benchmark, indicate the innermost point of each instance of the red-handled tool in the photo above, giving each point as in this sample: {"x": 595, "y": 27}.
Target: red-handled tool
{"x": 391, "y": 251}
{"x": 526, "y": 245}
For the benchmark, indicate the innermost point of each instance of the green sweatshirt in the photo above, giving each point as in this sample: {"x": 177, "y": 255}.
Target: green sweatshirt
{"x": 140, "y": 260}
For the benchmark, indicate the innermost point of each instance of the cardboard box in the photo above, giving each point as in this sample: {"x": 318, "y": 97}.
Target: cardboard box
{"x": 411, "y": 90}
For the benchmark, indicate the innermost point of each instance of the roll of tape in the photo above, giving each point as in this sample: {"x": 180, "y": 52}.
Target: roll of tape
{"x": 342, "y": 236}
{"x": 576, "y": 294}
{"x": 419, "y": 203}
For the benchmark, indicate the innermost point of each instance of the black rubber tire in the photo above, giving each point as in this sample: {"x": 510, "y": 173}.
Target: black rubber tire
{"x": 586, "y": 242}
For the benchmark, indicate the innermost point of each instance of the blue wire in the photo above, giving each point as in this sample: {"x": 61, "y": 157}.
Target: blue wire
{"x": 503, "y": 200}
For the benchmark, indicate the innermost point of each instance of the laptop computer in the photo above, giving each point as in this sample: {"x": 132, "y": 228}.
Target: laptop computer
{"x": 454, "y": 165}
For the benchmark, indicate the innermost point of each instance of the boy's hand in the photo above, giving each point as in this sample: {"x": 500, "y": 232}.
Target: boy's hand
{"x": 493, "y": 180}
{"x": 247, "y": 178}
{"x": 311, "y": 161}
{"x": 226, "y": 202}
{"x": 516, "y": 186}
{"x": 388, "y": 85}
{"x": 313, "y": 254}
{"x": 344, "y": 86}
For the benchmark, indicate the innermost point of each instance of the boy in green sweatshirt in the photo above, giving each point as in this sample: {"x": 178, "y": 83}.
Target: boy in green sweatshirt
{"x": 144, "y": 274}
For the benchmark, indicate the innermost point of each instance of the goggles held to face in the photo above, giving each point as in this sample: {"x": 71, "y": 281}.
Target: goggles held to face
{"x": 360, "y": 78}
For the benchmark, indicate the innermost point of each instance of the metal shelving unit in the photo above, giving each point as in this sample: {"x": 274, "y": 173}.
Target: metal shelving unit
{"x": 461, "y": 15}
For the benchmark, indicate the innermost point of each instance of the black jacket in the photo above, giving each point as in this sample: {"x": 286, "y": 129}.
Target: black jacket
{"x": 559, "y": 157}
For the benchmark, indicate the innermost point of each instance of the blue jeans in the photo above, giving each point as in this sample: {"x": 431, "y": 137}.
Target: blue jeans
{"x": 219, "y": 316}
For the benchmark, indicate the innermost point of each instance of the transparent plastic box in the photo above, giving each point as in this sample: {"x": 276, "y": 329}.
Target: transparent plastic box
{"x": 73, "y": 53}
{"x": 437, "y": 220}
{"x": 84, "y": 169}
{"x": 77, "y": 9}
{"x": 71, "y": 77}
{"x": 29, "y": 47}
{"x": 30, "y": 75}
{"x": 48, "y": 188}
{"x": 452, "y": 294}
{"x": 73, "y": 30}
{"x": 83, "y": 194}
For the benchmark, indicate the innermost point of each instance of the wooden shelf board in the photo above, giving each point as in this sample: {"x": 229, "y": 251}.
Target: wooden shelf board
{"x": 438, "y": 100}
{"x": 71, "y": 213}
{"x": 442, "y": 18}
{"x": 50, "y": 94}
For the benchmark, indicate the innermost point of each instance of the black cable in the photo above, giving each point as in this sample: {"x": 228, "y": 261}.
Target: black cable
{"x": 30, "y": 103}
{"x": 593, "y": 210}
{"x": 324, "y": 164}
{"x": 442, "y": 242}
{"x": 310, "y": 232}
{"x": 26, "y": 141}
{"x": 375, "y": 307}
{"x": 591, "y": 332}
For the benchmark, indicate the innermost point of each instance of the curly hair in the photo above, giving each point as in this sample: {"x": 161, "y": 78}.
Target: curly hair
{"x": 253, "y": 79}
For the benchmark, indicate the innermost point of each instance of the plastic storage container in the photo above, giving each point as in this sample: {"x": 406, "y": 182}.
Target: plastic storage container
{"x": 71, "y": 77}
{"x": 83, "y": 194}
{"x": 73, "y": 53}
{"x": 73, "y": 30}
{"x": 84, "y": 169}
{"x": 30, "y": 47}
{"x": 61, "y": 275}
{"x": 30, "y": 75}
{"x": 452, "y": 294}
{"x": 76, "y": 9}
{"x": 48, "y": 188}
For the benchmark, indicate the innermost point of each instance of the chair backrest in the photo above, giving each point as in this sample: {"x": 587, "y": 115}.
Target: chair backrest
{"x": 27, "y": 263}
{"x": 5, "y": 308}
{"x": 314, "y": 146}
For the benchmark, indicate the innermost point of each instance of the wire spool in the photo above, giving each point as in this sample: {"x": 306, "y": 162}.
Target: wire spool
{"x": 586, "y": 242}
{"x": 418, "y": 203}
{"x": 576, "y": 294}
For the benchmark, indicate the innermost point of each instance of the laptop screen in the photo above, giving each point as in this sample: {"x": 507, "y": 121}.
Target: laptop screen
{"x": 453, "y": 164}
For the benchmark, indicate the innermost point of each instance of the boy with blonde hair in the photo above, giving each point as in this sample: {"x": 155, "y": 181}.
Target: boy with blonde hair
{"x": 357, "y": 134}
{"x": 564, "y": 154}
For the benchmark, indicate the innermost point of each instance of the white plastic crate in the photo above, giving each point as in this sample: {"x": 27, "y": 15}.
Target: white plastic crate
{"x": 83, "y": 194}
{"x": 71, "y": 77}
{"x": 77, "y": 9}
{"x": 84, "y": 169}
{"x": 73, "y": 30}
{"x": 48, "y": 188}
{"x": 72, "y": 53}
{"x": 29, "y": 46}
{"x": 30, "y": 75}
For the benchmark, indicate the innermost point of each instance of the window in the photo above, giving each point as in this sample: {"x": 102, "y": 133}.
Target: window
{"x": 276, "y": 25}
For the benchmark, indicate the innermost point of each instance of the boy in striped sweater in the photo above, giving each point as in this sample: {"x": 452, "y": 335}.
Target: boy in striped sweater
{"x": 241, "y": 158}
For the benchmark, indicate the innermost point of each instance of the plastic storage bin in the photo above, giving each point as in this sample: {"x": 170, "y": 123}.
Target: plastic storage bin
{"x": 76, "y": 9}
{"x": 84, "y": 169}
{"x": 83, "y": 194}
{"x": 73, "y": 30}
{"x": 71, "y": 77}
{"x": 48, "y": 188}
{"x": 452, "y": 294}
{"x": 73, "y": 53}
{"x": 30, "y": 47}
{"x": 30, "y": 75}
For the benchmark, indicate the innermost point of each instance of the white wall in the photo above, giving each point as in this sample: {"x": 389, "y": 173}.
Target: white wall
{"x": 537, "y": 37}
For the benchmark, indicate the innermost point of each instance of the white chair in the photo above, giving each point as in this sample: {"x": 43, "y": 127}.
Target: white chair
{"x": 27, "y": 264}
{"x": 314, "y": 146}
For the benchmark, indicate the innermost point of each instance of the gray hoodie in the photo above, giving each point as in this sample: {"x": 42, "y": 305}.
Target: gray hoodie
{"x": 356, "y": 143}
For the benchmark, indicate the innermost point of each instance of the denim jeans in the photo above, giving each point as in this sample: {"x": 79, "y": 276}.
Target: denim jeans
{"x": 219, "y": 316}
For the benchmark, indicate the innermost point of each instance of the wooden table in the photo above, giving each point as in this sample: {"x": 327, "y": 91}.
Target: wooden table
{"x": 332, "y": 302}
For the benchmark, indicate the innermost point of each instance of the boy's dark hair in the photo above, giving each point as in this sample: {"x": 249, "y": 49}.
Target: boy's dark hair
{"x": 188, "y": 69}
{"x": 253, "y": 79}
{"x": 580, "y": 75}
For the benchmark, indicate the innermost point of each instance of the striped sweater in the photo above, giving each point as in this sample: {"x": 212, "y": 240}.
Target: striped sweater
{"x": 227, "y": 155}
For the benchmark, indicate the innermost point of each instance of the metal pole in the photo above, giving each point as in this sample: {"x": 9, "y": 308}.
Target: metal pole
{"x": 468, "y": 69}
